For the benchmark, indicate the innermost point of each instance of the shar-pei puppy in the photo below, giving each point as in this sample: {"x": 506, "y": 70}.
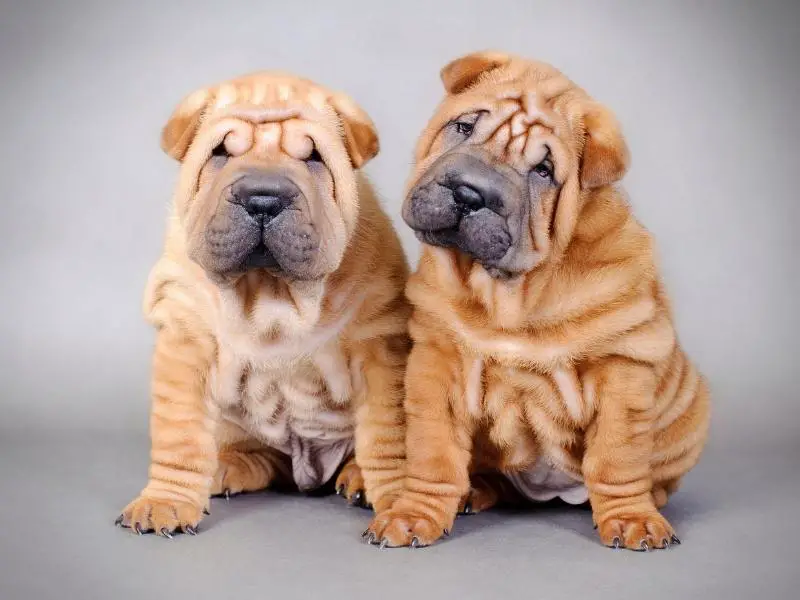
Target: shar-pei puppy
{"x": 278, "y": 303}
{"x": 544, "y": 362}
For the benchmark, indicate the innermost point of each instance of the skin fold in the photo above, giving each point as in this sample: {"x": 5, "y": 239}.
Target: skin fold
{"x": 278, "y": 304}
{"x": 544, "y": 353}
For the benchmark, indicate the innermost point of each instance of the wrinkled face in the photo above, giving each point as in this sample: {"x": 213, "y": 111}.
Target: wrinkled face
{"x": 267, "y": 181}
{"x": 494, "y": 163}
{"x": 265, "y": 199}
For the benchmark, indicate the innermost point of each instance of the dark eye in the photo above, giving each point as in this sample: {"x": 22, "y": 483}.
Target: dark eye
{"x": 544, "y": 169}
{"x": 464, "y": 128}
{"x": 314, "y": 156}
{"x": 220, "y": 150}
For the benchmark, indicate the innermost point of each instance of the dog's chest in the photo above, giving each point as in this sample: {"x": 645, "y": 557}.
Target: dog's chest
{"x": 293, "y": 395}
{"x": 561, "y": 398}
{"x": 275, "y": 402}
{"x": 536, "y": 422}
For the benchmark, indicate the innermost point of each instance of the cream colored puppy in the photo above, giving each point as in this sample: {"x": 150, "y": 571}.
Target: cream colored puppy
{"x": 281, "y": 323}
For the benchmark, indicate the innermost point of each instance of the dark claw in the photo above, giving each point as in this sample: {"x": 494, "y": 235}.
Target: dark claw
{"x": 355, "y": 499}
{"x": 383, "y": 544}
{"x": 415, "y": 542}
{"x": 644, "y": 546}
{"x": 138, "y": 528}
{"x": 675, "y": 540}
{"x": 665, "y": 543}
{"x": 205, "y": 511}
{"x": 190, "y": 530}
{"x": 365, "y": 534}
{"x": 446, "y": 532}
{"x": 594, "y": 525}
{"x": 370, "y": 538}
{"x": 468, "y": 508}
{"x": 166, "y": 533}
{"x": 227, "y": 495}
{"x": 119, "y": 520}
{"x": 615, "y": 543}
{"x": 340, "y": 490}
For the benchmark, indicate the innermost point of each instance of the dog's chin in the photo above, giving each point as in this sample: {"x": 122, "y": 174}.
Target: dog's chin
{"x": 453, "y": 239}
{"x": 444, "y": 238}
{"x": 260, "y": 257}
{"x": 449, "y": 238}
{"x": 282, "y": 266}
{"x": 226, "y": 269}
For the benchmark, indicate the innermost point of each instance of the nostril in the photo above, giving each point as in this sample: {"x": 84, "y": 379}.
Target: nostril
{"x": 268, "y": 206}
{"x": 469, "y": 197}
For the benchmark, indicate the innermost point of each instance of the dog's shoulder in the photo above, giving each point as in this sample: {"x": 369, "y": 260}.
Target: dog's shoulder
{"x": 374, "y": 270}
{"x": 611, "y": 285}
{"x": 177, "y": 292}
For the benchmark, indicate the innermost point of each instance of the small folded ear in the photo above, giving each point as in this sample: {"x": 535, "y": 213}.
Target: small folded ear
{"x": 360, "y": 135}
{"x": 605, "y": 153}
{"x": 459, "y": 74}
{"x": 180, "y": 130}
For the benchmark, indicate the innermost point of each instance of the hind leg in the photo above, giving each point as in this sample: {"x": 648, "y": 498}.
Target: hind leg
{"x": 677, "y": 446}
{"x": 249, "y": 467}
{"x": 487, "y": 490}
{"x": 663, "y": 490}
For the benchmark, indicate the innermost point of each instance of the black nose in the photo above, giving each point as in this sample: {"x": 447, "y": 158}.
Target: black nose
{"x": 270, "y": 206}
{"x": 468, "y": 197}
{"x": 265, "y": 195}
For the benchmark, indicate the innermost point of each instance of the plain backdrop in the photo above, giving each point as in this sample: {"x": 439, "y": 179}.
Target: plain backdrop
{"x": 708, "y": 96}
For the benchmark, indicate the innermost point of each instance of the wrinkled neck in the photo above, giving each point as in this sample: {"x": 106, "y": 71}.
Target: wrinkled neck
{"x": 273, "y": 306}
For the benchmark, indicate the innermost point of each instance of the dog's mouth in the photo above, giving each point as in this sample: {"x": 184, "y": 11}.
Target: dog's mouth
{"x": 444, "y": 217}
{"x": 260, "y": 257}
{"x": 438, "y": 237}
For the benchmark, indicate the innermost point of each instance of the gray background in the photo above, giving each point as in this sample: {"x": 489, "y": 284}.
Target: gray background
{"x": 707, "y": 93}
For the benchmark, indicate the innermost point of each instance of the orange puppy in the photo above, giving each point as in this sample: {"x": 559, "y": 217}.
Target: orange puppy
{"x": 543, "y": 345}
{"x": 278, "y": 300}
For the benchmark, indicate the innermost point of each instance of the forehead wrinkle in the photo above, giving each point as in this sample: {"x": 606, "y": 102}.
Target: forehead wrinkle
{"x": 259, "y": 92}
{"x": 509, "y": 94}
{"x": 268, "y": 90}
{"x": 535, "y": 112}
{"x": 516, "y": 135}
{"x": 502, "y": 114}
{"x": 519, "y": 123}
{"x": 226, "y": 94}
{"x": 510, "y": 134}
{"x": 529, "y": 102}
{"x": 264, "y": 113}
{"x": 284, "y": 91}
{"x": 552, "y": 88}
{"x": 268, "y": 137}
{"x": 318, "y": 100}
{"x": 517, "y": 145}
{"x": 300, "y": 138}
{"x": 501, "y": 137}
{"x": 537, "y": 141}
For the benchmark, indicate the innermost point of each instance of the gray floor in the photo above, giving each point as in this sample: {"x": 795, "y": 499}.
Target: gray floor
{"x": 736, "y": 516}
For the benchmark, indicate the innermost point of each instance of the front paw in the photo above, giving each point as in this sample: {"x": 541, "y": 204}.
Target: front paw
{"x": 393, "y": 529}
{"x": 163, "y": 517}
{"x": 350, "y": 484}
{"x": 638, "y": 531}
